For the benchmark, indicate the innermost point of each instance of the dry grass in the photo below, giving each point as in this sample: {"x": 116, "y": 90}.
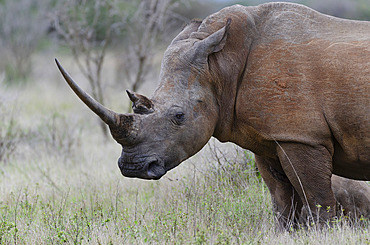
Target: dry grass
{"x": 62, "y": 185}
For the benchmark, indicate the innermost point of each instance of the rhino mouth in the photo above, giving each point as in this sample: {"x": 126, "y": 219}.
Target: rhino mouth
{"x": 151, "y": 170}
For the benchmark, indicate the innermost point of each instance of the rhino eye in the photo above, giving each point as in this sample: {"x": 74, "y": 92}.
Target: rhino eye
{"x": 179, "y": 118}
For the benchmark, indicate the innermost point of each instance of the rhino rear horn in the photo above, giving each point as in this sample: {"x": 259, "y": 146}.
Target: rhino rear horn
{"x": 140, "y": 103}
{"x": 109, "y": 117}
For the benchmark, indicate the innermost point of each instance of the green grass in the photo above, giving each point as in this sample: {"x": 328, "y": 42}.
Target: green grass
{"x": 198, "y": 209}
{"x": 62, "y": 185}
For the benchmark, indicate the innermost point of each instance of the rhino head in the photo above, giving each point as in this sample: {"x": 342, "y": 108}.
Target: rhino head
{"x": 180, "y": 117}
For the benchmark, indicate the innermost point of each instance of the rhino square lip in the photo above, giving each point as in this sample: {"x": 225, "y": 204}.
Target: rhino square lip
{"x": 152, "y": 169}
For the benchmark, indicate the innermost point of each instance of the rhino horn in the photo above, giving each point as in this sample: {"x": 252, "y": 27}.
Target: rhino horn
{"x": 109, "y": 117}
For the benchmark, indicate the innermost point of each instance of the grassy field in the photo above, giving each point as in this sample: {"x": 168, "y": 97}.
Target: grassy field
{"x": 61, "y": 183}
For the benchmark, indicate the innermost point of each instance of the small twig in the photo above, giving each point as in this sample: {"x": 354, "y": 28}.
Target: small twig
{"x": 136, "y": 201}
{"x": 47, "y": 177}
{"x": 15, "y": 216}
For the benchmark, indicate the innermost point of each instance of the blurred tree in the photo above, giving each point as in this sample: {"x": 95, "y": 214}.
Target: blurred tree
{"x": 87, "y": 28}
{"x": 363, "y": 8}
{"x": 90, "y": 27}
{"x": 149, "y": 25}
{"x": 22, "y": 26}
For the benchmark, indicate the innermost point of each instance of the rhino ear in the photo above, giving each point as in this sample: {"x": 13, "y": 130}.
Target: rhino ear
{"x": 214, "y": 42}
{"x": 140, "y": 103}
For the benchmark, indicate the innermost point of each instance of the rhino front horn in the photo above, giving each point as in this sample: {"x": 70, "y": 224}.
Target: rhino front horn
{"x": 109, "y": 117}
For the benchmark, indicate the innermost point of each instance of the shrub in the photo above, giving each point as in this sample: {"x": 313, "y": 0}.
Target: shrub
{"x": 57, "y": 135}
{"x": 10, "y": 133}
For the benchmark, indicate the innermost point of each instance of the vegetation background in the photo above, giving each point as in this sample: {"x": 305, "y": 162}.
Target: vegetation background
{"x": 59, "y": 180}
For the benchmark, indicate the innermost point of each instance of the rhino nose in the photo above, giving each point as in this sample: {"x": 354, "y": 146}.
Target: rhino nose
{"x": 150, "y": 168}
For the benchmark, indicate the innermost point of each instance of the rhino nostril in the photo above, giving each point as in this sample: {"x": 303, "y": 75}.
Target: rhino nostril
{"x": 155, "y": 170}
{"x": 152, "y": 165}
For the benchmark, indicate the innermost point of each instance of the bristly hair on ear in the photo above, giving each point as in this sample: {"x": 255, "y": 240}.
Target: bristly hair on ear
{"x": 195, "y": 21}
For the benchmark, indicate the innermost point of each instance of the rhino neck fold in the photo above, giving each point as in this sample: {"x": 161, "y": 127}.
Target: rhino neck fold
{"x": 227, "y": 99}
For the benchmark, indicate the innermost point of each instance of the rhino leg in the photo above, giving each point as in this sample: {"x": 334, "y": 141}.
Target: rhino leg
{"x": 309, "y": 169}
{"x": 353, "y": 197}
{"x": 286, "y": 201}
